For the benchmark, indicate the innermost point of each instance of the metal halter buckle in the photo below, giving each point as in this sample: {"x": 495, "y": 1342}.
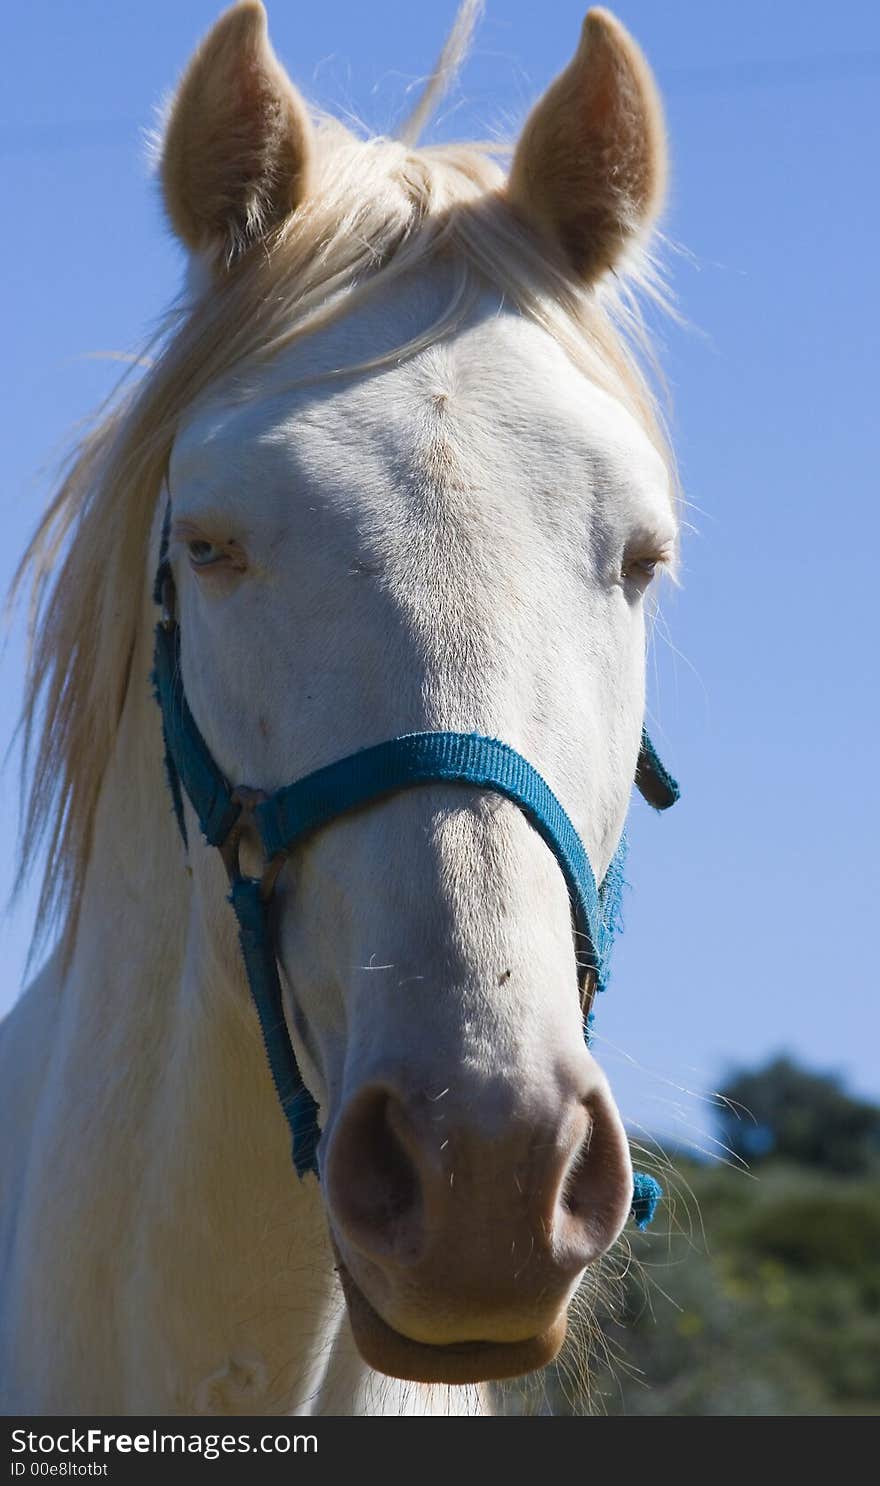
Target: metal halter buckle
{"x": 587, "y": 985}
{"x": 247, "y": 800}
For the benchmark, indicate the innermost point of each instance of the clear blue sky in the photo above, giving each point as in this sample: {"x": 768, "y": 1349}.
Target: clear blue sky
{"x": 751, "y": 923}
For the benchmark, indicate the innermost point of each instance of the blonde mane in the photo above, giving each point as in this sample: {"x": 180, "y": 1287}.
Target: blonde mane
{"x": 379, "y": 208}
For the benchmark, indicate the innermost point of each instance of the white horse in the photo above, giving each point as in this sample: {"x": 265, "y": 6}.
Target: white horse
{"x": 416, "y": 484}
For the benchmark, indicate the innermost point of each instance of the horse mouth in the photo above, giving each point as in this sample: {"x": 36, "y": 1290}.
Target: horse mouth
{"x": 390, "y": 1352}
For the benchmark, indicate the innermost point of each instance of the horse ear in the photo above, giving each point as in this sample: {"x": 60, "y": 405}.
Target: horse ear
{"x": 590, "y": 165}
{"x": 236, "y": 154}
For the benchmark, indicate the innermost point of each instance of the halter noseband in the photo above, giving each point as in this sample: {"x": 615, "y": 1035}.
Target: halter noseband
{"x": 283, "y": 819}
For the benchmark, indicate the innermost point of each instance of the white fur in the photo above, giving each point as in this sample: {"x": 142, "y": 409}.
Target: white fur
{"x": 433, "y": 545}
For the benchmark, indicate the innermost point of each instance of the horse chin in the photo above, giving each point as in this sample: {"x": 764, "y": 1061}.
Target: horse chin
{"x": 399, "y": 1356}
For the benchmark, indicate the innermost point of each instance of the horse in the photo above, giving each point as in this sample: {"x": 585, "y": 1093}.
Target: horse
{"x": 395, "y": 454}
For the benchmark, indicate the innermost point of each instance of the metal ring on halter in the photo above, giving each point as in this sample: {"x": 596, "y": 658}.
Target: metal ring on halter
{"x": 247, "y": 799}
{"x": 588, "y": 984}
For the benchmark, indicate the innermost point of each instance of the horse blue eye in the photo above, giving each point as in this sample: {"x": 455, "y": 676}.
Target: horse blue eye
{"x": 641, "y": 568}
{"x": 202, "y": 554}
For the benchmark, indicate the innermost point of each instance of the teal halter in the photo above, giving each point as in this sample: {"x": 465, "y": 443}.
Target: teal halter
{"x": 293, "y": 813}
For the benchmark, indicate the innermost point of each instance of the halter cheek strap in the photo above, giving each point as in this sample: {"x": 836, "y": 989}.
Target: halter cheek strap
{"x": 291, "y": 814}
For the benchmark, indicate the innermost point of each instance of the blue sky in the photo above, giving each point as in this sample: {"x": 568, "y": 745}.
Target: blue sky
{"x": 751, "y": 920}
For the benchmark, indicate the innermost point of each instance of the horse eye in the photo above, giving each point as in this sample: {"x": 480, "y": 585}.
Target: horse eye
{"x": 203, "y": 554}
{"x": 641, "y": 569}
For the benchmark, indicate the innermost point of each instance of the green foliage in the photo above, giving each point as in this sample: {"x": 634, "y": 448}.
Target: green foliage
{"x": 783, "y": 1112}
{"x": 775, "y": 1311}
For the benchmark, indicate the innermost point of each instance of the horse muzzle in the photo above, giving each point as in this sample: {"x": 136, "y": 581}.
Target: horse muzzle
{"x": 462, "y": 1232}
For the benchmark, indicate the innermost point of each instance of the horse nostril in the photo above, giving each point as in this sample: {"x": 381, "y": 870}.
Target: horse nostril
{"x": 373, "y": 1182}
{"x": 537, "y": 1196}
{"x": 574, "y": 1195}
{"x": 593, "y": 1198}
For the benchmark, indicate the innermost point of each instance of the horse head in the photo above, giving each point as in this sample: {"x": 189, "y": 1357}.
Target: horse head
{"x": 423, "y": 491}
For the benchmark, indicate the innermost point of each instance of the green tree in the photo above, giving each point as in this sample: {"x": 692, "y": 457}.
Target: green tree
{"x": 784, "y": 1112}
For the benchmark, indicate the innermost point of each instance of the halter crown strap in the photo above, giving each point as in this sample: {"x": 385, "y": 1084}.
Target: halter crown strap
{"x": 653, "y": 781}
{"x": 187, "y": 757}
